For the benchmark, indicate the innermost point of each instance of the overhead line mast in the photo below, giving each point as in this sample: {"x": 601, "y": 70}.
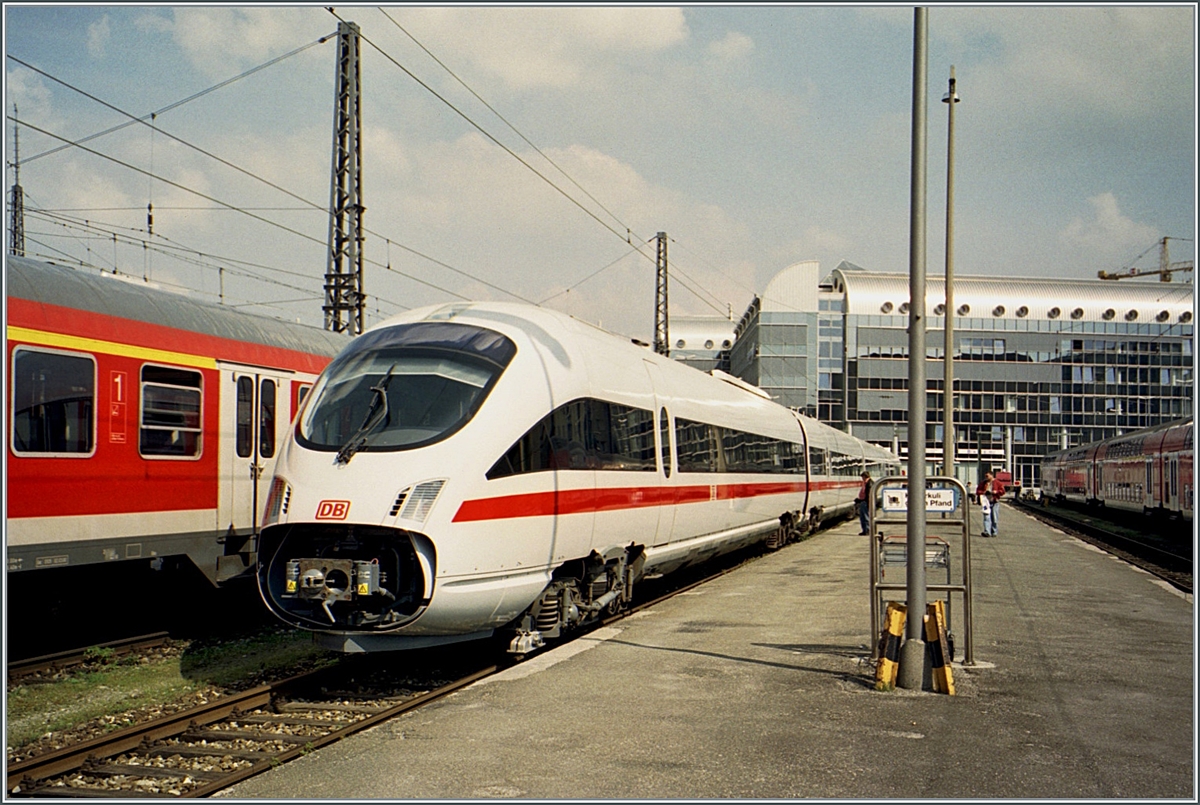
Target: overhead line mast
{"x": 662, "y": 343}
{"x": 344, "y": 297}
{"x": 16, "y": 241}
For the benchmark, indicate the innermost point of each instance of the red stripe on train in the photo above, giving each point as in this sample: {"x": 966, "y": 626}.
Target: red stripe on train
{"x": 583, "y": 501}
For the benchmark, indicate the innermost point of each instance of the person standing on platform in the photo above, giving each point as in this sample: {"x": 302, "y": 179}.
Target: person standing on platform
{"x": 989, "y": 493}
{"x": 862, "y": 505}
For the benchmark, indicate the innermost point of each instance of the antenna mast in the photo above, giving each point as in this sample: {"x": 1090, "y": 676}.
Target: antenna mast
{"x": 344, "y": 297}
{"x": 16, "y": 240}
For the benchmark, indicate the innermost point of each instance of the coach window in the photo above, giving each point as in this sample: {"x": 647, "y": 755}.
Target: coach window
{"x": 584, "y": 434}
{"x": 266, "y": 419}
{"x": 54, "y": 403}
{"x": 170, "y": 415}
{"x": 695, "y": 446}
{"x": 245, "y": 416}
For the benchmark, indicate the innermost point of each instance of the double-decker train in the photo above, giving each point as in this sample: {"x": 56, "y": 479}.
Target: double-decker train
{"x": 142, "y": 425}
{"x": 1148, "y": 471}
{"x": 474, "y": 469}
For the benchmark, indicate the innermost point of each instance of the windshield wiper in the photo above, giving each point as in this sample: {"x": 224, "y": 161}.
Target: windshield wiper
{"x": 377, "y": 412}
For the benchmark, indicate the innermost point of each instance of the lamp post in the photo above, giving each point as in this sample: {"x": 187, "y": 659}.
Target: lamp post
{"x": 950, "y": 99}
{"x": 912, "y": 651}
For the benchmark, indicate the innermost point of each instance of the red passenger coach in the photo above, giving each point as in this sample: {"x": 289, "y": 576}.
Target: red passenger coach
{"x": 1148, "y": 471}
{"x": 142, "y": 424}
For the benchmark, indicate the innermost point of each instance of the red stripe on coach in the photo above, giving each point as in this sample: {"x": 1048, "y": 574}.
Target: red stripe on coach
{"x": 583, "y": 501}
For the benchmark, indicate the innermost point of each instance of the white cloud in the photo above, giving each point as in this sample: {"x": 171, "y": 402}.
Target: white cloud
{"x": 1109, "y": 236}
{"x": 151, "y": 22}
{"x": 543, "y": 47}
{"x": 1101, "y": 59}
{"x": 98, "y": 35}
{"x": 733, "y": 46}
{"x": 219, "y": 41}
{"x": 33, "y": 98}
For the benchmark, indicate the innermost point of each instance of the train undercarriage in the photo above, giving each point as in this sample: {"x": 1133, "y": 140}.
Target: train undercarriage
{"x": 372, "y": 581}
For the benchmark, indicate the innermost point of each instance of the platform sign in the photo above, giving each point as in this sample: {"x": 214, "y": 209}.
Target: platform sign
{"x": 895, "y": 499}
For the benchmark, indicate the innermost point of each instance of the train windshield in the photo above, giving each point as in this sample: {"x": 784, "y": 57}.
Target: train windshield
{"x": 403, "y": 387}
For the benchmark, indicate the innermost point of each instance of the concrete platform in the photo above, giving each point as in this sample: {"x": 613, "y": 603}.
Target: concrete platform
{"x": 757, "y": 685}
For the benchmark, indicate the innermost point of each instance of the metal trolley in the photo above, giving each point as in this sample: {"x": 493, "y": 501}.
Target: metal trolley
{"x": 947, "y": 528}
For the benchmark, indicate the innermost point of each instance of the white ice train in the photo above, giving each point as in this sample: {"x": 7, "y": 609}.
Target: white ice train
{"x": 472, "y": 468}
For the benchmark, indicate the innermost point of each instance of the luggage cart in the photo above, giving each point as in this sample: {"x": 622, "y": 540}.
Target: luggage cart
{"x": 947, "y": 532}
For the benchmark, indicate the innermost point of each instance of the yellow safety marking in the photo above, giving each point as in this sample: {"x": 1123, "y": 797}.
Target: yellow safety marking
{"x": 71, "y": 342}
{"x": 889, "y": 654}
{"x": 364, "y": 589}
{"x": 291, "y": 586}
{"x": 935, "y": 636}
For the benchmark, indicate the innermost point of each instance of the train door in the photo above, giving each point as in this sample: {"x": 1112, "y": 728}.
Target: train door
{"x": 1148, "y": 496}
{"x": 254, "y": 418}
{"x": 1171, "y": 484}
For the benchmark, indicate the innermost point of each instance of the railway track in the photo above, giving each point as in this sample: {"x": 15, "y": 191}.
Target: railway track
{"x": 197, "y": 752}
{"x": 19, "y": 670}
{"x": 1171, "y": 566}
{"x": 202, "y": 750}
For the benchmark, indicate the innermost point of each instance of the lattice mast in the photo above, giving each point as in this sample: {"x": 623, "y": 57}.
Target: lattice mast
{"x": 662, "y": 343}
{"x": 344, "y": 297}
{"x": 16, "y": 229}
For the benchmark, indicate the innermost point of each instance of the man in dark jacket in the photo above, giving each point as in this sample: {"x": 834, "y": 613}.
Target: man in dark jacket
{"x": 861, "y": 503}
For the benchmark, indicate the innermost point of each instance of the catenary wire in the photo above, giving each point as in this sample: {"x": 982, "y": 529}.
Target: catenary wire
{"x": 176, "y": 104}
{"x": 252, "y": 175}
{"x": 629, "y": 232}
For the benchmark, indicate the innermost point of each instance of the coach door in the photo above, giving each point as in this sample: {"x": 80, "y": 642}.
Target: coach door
{"x": 1171, "y": 482}
{"x": 254, "y": 418}
{"x": 1149, "y": 498}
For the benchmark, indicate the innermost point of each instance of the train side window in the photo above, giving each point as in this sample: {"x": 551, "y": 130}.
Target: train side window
{"x": 695, "y": 446}
{"x": 816, "y": 461}
{"x": 54, "y": 403}
{"x": 266, "y": 419}
{"x": 244, "y": 442}
{"x": 169, "y": 423}
{"x": 623, "y": 437}
{"x": 583, "y": 434}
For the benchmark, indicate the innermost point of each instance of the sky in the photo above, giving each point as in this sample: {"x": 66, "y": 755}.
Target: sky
{"x": 532, "y": 154}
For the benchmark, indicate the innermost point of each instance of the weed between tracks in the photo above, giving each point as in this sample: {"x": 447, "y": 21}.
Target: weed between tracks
{"x": 105, "y": 694}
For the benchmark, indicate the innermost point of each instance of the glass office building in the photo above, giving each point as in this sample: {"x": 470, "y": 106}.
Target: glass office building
{"x": 1039, "y": 364}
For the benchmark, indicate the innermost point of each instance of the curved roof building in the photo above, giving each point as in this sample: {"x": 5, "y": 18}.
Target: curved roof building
{"x": 1039, "y": 363}
{"x": 1018, "y": 298}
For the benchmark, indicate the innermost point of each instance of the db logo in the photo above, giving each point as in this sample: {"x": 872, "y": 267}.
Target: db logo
{"x": 333, "y": 509}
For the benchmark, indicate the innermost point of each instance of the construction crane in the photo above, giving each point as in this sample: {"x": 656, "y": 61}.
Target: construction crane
{"x": 1164, "y": 270}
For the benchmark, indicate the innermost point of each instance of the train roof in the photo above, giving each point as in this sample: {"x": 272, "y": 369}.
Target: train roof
{"x": 50, "y": 284}
{"x": 564, "y": 335}
{"x": 1137, "y": 435}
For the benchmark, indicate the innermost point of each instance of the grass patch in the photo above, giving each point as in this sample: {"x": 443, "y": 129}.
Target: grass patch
{"x": 106, "y": 692}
